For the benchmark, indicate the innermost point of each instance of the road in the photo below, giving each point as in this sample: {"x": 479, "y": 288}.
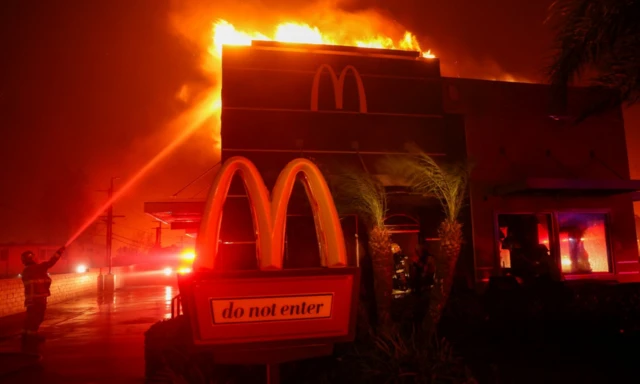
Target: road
{"x": 89, "y": 341}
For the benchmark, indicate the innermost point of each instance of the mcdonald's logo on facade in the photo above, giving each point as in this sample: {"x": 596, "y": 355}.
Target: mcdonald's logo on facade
{"x": 269, "y": 215}
{"x": 338, "y": 87}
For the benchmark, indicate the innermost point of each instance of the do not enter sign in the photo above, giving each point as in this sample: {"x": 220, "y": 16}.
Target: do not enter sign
{"x": 271, "y": 306}
{"x": 276, "y": 308}
{"x": 255, "y": 306}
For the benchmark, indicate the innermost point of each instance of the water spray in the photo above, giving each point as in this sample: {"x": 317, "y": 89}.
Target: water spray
{"x": 195, "y": 120}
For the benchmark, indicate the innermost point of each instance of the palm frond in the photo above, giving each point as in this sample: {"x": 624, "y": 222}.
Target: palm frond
{"x": 360, "y": 193}
{"x": 597, "y": 35}
{"x": 446, "y": 182}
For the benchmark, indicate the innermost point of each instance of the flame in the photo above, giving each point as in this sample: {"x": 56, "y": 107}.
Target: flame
{"x": 225, "y": 33}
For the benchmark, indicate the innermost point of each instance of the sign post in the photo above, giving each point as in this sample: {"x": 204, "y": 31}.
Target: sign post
{"x": 271, "y": 315}
{"x": 273, "y": 373}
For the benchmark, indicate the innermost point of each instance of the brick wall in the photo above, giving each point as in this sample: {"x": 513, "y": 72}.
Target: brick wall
{"x": 64, "y": 287}
{"x": 11, "y": 296}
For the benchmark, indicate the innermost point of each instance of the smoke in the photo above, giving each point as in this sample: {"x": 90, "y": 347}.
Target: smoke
{"x": 193, "y": 21}
{"x": 95, "y": 89}
{"x": 485, "y": 69}
{"x": 88, "y": 92}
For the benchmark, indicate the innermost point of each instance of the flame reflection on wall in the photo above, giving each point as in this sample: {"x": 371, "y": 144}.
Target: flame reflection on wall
{"x": 582, "y": 239}
{"x": 583, "y": 243}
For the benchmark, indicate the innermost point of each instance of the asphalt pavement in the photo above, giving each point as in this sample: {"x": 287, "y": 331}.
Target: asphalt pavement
{"x": 88, "y": 340}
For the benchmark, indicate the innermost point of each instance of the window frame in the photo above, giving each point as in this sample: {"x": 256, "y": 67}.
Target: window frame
{"x": 607, "y": 233}
{"x": 554, "y": 239}
{"x": 496, "y": 232}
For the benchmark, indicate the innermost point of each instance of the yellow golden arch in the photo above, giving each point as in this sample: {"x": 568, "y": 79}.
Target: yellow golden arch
{"x": 270, "y": 216}
{"x": 338, "y": 87}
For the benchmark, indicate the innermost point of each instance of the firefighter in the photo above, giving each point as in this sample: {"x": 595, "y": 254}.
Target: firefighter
{"x": 401, "y": 275}
{"x": 37, "y": 282}
{"x": 423, "y": 265}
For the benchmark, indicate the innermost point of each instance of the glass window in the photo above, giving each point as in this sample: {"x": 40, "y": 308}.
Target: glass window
{"x": 583, "y": 242}
{"x": 524, "y": 243}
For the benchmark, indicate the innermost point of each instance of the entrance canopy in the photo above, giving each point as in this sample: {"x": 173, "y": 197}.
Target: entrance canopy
{"x": 178, "y": 214}
{"x": 530, "y": 186}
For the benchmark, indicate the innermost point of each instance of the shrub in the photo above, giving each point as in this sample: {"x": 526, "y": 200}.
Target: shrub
{"x": 396, "y": 356}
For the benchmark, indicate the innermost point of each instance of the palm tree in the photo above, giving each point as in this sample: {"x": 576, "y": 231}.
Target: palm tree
{"x": 448, "y": 184}
{"x": 360, "y": 193}
{"x": 600, "y": 37}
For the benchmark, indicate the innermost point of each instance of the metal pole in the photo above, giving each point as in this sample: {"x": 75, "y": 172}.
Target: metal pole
{"x": 159, "y": 235}
{"x": 357, "y": 244}
{"x": 110, "y": 226}
{"x": 273, "y": 373}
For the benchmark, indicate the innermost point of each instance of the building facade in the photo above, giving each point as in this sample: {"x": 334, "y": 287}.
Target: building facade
{"x": 540, "y": 182}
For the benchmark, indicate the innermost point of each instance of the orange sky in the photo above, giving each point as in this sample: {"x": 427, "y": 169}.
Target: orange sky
{"x": 90, "y": 90}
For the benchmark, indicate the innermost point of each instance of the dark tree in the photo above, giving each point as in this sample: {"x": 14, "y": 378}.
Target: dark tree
{"x": 600, "y": 40}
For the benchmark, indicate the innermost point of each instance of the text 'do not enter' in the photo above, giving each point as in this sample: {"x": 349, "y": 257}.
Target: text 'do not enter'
{"x": 277, "y": 308}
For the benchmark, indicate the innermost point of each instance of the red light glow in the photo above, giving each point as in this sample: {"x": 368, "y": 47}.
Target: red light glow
{"x": 188, "y": 255}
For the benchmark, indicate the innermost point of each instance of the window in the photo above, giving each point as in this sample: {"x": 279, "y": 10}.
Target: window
{"x": 584, "y": 246}
{"x": 529, "y": 245}
{"x": 524, "y": 242}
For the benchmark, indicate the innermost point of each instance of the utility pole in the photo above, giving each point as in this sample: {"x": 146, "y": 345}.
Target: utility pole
{"x": 110, "y": 226}
{"x": 109, "y": 279}
{"x": 159, "y": 235}
{"x": 109, "y": 221}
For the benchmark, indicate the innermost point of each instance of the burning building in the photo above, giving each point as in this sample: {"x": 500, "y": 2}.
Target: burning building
{"x": 539, "y": 180}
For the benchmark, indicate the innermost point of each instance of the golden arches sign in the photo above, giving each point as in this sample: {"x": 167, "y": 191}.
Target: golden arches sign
{"x": 269, "y": 216}
{"x": 338, "y": 87}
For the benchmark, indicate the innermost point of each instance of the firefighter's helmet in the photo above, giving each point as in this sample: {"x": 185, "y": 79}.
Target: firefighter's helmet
{"x": 28, "y": 257}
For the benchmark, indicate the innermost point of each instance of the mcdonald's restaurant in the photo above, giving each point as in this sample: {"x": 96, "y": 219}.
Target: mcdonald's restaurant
{"x": 538, "y": 179}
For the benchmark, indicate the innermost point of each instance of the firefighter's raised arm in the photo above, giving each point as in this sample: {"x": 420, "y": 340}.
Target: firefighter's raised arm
{"x": 56, "y": 256}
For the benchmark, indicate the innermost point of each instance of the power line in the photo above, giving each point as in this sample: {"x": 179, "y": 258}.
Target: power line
{"x": 196, "y": 179}
{"x": 137, "y": 246}
{"x": 134, "y": 229}
{"x": 128, "y": 239}
{"x": 199, "y": 192}
{"x": 132, "y": 246}
{"x": 129, "y": 242}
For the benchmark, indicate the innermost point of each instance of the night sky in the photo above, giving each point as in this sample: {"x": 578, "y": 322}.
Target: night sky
{"x": 87, "y": 89}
